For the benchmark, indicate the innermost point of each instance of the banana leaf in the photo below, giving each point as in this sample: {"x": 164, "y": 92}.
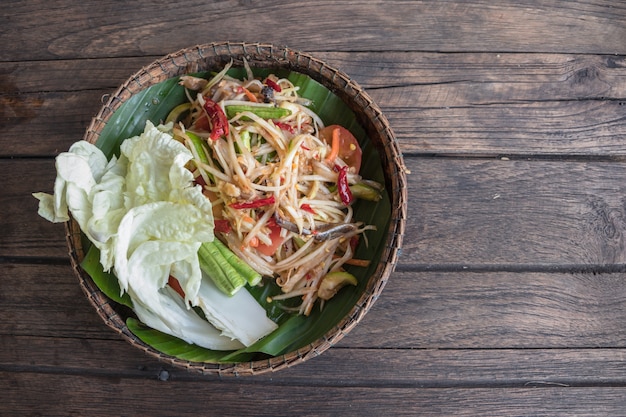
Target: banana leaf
{"x": 294, "y": 331}
{"x": 106, "y": 281}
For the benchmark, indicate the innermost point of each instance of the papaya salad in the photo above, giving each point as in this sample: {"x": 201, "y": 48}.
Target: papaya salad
{"x": 281, "y": 183}
{"x": 241, "y": 184}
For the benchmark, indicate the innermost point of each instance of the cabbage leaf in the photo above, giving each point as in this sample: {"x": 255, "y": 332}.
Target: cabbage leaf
{"x": 144, "y": 214}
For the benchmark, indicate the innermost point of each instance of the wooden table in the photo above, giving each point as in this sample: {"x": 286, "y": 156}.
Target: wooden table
{"x": 509, "y": 297}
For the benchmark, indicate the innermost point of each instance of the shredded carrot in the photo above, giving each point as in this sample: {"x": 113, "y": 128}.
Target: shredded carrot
{"x": 334, "y": 146}
{"x": 251, "y": 97}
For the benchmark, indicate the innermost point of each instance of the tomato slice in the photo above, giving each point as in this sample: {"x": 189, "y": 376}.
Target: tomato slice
{"x": 349, "y": 149}
{"x": 277, "y": 240}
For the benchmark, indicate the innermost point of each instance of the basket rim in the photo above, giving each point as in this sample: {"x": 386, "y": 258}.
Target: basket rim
{"x": 369, "y": 115}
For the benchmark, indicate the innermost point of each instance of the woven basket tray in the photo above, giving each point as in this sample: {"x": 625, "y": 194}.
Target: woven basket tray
{"x": 213, "y": 57}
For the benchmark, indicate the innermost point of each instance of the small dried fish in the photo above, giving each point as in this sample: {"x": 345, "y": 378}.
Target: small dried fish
{"x": 324, "y": 232}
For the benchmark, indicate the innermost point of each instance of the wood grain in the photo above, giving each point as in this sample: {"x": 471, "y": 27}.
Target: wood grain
{"x": 93, "y": 30}
{"x": 453, "y": 79}
{"x": 429, "y": 368}
{"x": 519, "y": 212}
{"x": 456, "y": 79}
{"x": 29, "y": 394}
{"x": 496, "y": 309}
{"x": 48, "y": 302}
{"x": 24, "y": 232}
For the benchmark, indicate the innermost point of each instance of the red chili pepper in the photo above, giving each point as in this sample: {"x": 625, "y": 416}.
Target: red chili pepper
{"x": 284, "y": 126}
{"x": 255, "y": 203}
{"x": 219, "y": 121}
{"x": 222, "y": 226}
{"x": 307, "y": 207}
{"x": 273, "y": 85}
{"x": 343, "y": 187}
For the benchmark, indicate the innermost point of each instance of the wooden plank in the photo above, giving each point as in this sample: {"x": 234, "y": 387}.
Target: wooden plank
{"x": 525, "y": 213}
{"x": 24, "y": 232}
{"x": 462, "y": 213}
{"x": 46, "y": 123}
{"x": 354, "y": 367}
{"x": 51, "y": 395}
{"x": 69, "y": 75}
{"x": 476, "y": 104}
{"x": 92, "y": 29}
{"x": 419, "y": 79}
{"x": 425, "y": 310}
{"x": 429, "y": 79}
{"x": 589, "y": 128}
{"x": 496, "y": 309}
{"x": 48, "y": 302}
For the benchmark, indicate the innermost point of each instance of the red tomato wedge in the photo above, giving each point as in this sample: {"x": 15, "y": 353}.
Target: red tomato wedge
{"x": 348, "y": 147}
{"x": 277, "y": 240}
